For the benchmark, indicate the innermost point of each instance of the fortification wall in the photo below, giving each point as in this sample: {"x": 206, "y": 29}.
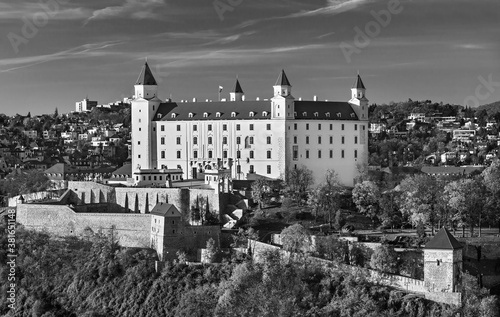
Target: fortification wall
{"x": 131, "y": 230}
{"x": 400, "y": 282}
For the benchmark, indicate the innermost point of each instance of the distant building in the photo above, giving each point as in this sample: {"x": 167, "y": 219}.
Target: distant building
{"x": 85, "y": 105}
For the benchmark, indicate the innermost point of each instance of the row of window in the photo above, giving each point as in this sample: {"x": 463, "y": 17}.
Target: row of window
{"x": 295, "y": 126}
{"x": 249, "y": 140}
{"x": 342, "y": 154}
{"x": 251, "y": 169}
{"x": 210, "y": 154}
{"x": 320, "y": 139}
{"x": 268, "y": 127}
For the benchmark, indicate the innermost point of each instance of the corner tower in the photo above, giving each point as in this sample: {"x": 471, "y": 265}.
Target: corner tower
{"x": 144, "y": 106}
{"x": 443, "y": 263}
{"x": 358, "y": 99}
{"x": 282, "y": 104}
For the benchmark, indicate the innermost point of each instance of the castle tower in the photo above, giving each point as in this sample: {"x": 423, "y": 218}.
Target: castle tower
{"x": 237, "y": 93}
{"x": 358, "y": 99}
{"x": 282, "y": 102}
{"x": 443, "y": 263}
{"x": 144, "y": 107}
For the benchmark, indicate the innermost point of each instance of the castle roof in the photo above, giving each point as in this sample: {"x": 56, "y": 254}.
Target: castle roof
{"x": 165, "y": 210}
{"x": 282, "y": 79}
{"x": 237, "y": 87}
{"x": 146, "y": 76}
{"x": 359, "y": 83}
{"x": 252, "y": 110}
{"x": 443, "y": 240}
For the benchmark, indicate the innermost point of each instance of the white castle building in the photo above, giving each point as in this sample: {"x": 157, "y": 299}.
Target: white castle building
{"x": 253, "y": 139}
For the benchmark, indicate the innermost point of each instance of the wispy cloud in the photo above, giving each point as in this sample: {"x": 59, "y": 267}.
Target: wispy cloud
{"x": 136, "y": 9}
{"x": 471, "y": 46}
{"x": 17, "y": 10}
{"x": 332, "y": 7}
{"x": 87, "y": 50}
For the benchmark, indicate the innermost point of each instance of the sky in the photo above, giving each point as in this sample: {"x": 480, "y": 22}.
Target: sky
{"x": 54, "y": 53}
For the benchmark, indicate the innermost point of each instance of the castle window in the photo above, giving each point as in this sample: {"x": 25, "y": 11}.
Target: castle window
{"x": 251, "y": 126}
{"x": 210, "y": 154}
{"x": 158, "y": 116}
{"x": 251, "y": 154}
{"x": 195, "y": 154}
{"x": 295, "y": 125}
{"x": 355, "y": 140}
{"x": 238, "y": 127}
{"x": 233, "y": 114}
{"x": 355, "y": 127}
{"x": 268, "y": 140}
{"x": 319, "y": 139}
{"x": 319, "y": 126}
{"x": 138, "y": 142}
{"x": 162, "y": 154}
{"x": 190, "y": 115}
{"x": 251, "y": 114}
{"x": 343, "y": 127}
{"x": 195, "y": 140}
{"x": 238, "y": 140}
{"x": 355, "y": 153}
{"x": 268, "y": 154}
{"x": 173, "y": 115}
{"x": 268, "y": 169}
{"x": 162, "y": 140}
{"x": 238, "y": 154}
{"x": 224, "y": 140}
{"x": 224, "y": 127}
{"x": 217, "y": 115}
{"x": 178, "y": 154}
{"x": 438, "y": 262}
{"x": 307, "y": 140}
{"x": 250, "y": 140}
{"x": 205, "y": 115}
{"x": 353, "y": 115}
{"x": 316, "y": 114}
{"x": 294, "y": 139}
{"x": 162, "y": 128}
{"x": 339, "y": 114}
{"x": 209, "y": 127}
{"x": 343, "y": 139}
{"x": 307, "y": 154}
{"x": 304, "y": 114}
{"x": 327, "y": 114}
{"x": 178, "y": 127}
{"x": 195, "y": 127}
{"x": 178, "y": 140}
{"x": 331, "y": 153}
{"x": 268, "y": 126}
{"x": 224, "y": 154}
{"x": 319, "y": 154}
{"x": 342, "y": 154}
{"x": 209, "y": 140}
{"x": 264, "y": 113}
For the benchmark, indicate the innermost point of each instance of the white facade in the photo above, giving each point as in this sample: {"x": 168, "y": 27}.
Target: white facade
{"x": 252, "y": 139}
{"x": 85, "y": 105}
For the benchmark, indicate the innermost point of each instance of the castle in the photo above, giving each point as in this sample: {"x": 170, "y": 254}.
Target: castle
{"x": 252, "y": 139}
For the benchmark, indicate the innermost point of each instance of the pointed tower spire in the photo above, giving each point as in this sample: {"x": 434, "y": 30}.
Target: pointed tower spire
{"x": 282, "y": 79}
{"x": 282, "y": 86}
{"x": 237, "y": 93}
{"x": 359, "y": 83}
{"x": 146, "y": 76}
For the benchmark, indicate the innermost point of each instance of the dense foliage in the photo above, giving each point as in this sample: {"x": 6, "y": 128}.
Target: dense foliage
{"x": 95, "y": 277}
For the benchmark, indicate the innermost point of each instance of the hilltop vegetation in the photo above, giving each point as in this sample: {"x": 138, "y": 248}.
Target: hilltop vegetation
{"x": 95, "y": 277}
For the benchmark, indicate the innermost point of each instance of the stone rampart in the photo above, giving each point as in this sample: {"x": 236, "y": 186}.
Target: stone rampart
{"x": 131, "y": 230}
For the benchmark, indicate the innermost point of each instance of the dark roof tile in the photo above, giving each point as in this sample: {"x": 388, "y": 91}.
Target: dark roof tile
{"x": 443, "y": 240}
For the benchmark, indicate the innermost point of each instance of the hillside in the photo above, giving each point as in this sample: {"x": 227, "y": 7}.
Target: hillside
{"x": 95, "y": 277}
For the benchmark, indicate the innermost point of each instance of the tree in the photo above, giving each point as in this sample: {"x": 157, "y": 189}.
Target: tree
{"x": 212, "y": 251}
{"x": 420, "y": 199}
{"x": 491, "y": 181}
{"x": 326, "y": 198}
{"x": 466, "y": 199}
{"x": 298, "y": 181}
{"x": 384, "y": 259}
{"x": 260, "y": 190}
{"x": 366, "y": 197}
{"x": 296, "y": 238}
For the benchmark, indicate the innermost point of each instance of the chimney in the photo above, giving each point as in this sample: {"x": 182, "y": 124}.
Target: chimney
{"x": 315, "y": 98}
{"x": 195, "y": 100}
{"x": 300, "y": 98}
{"x": 257, "y": 99}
